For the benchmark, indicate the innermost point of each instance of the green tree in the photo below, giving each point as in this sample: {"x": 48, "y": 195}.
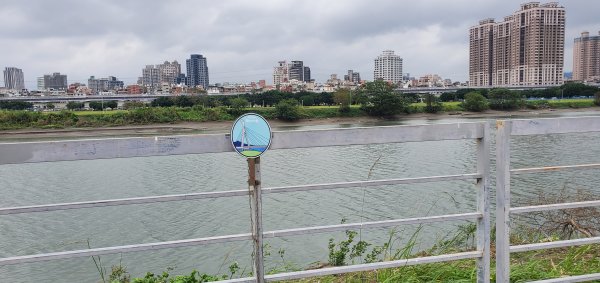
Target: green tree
{"x": 504, "y": 99}
{"x": 475, "y": 102}
{"x": 432, "y": 103}
{"x": 287, "y": 109}
{"x": 163, "y": 101}
{"x": 128, "y": 105}
{"x": 381, "y": 100}
{"x": 73, "y": 105}
{"x": 184, "y": 101}
{"x": 307, "y": 100}
{"x": 50, "y": 106}
{"x": 237, "y": 105}
{"x": 343, "y": 98}
{"x": 112, "y": 104}
{"x": 597, "y": 98}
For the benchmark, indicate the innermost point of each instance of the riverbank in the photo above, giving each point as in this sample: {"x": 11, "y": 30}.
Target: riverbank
{"x": 209, "y": 127}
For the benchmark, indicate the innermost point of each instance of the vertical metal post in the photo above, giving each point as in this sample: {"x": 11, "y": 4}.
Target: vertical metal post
{"x": 483, "y": 205}
{"x": 254, "y": 186}
{"x": 503, "y": 201}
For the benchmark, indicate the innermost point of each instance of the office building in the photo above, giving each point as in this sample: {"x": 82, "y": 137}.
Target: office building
{"x": 150, "y": 77}
{"x": 388, "y": 67}
{"x": 13, "y": 78}
{"x": 525, "y": 49}
{"x": 197, "y": 71}
{"x": 586, "y": 58}
{"x": 307, "y": 74}
{"x": 56, "y": 81}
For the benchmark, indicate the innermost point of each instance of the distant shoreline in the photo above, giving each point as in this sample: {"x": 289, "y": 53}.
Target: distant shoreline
{"x": 213, "y": 127}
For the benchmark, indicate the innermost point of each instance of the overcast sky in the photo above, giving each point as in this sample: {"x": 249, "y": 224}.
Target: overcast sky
{"x": 244, "y": 39}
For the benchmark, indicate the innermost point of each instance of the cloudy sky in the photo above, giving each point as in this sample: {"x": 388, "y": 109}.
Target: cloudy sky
{"x": 244, "y": 39}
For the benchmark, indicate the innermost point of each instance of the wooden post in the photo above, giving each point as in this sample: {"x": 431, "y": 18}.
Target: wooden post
{"x": 254, "y": 186}
{"x": 503, "y": 132}
{"x": 483, "y": 205}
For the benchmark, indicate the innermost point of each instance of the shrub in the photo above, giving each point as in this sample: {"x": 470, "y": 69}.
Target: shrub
{"x": 381, "y": 100}
{"x": 475, "y": 102}
{"x": 287, "y": 109}
{"x": 504, "y": 99}
{"x": 163, "y": 101}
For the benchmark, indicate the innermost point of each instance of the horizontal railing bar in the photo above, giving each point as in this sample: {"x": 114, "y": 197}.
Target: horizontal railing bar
{"x": 231, "y": 238}
{"x": 563, "y": 125}
{"x": 123, "y": 249}
{"x": 571, "y": 279}
{"x": 206, "y": 195}
{"x": 354, "y": 184}
{"x": 553, "y": 168}
{"x": 554, "y": 206}
{"x": 359, "y": 267}
{"x": 371, "y": 224}
{"x": 555, "y": 244}
{"x": 372, "y": 266}
{"x": 117, "y": 202}
{"x": 87, "y": 149}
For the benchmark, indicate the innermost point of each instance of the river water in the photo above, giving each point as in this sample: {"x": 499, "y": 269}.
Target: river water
{"x": 46, "y": 183}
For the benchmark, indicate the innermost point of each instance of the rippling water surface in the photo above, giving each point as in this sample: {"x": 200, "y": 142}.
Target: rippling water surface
{"x": 44, "y": 183}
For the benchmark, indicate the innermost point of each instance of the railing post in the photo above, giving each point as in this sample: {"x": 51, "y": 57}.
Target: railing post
{"x": 503, "y": 132}
{"x": 254, "y": 186}
{"x": 483, "y": 205}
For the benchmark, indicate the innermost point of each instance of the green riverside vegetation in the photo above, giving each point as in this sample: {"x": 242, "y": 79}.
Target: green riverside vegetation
{"x": 373, "y": 99}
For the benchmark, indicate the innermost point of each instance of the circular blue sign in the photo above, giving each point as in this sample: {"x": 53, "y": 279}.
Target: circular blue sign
{"x": 251, "y": 135}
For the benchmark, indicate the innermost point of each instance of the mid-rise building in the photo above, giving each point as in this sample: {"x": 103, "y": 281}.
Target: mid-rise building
{"x": 586, "y": 58}
{"x": 285, "y": 72}
{"x": 197, "y": 71}
{"x": 56, "y": 81}
{"x": 388, "y": 67}
{"x": 40, "y": 84}
{"x": 526, "y": 48}
{"x": 352, "y": 76}
{"x": 14, "y": 79}
{"x": 104, "y": 84}
{"x": 296, "y": 70}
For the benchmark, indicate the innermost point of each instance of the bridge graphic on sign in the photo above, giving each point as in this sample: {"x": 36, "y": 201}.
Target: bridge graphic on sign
{"x": 251, "y": 135}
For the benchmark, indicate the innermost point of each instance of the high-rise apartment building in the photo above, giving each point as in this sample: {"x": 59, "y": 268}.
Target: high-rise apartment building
{"x": 296, "y": 70}
{"x": 280, "y": 73}
{"x": 151, "y": 77}
{"x": 307, "y": 74}
{"x": 586, "y": 58}
{"x": 13, "y": 78}
{"x": 388, "y": 67}
{"x": 526, "y": 48}
{"x": 197, "y": 71}
{"x": 56, "y": 81}
{"x": 169, "y": 72}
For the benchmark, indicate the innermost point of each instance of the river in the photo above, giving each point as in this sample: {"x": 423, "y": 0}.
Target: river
{"x": 45, "y": 183}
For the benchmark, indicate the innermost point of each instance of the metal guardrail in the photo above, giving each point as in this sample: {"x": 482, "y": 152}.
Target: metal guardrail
{"x": 35, "y": 152}
{"x": 506, "y": 129}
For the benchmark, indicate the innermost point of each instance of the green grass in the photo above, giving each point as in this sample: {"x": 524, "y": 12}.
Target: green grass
{"x": 251, "y": 153}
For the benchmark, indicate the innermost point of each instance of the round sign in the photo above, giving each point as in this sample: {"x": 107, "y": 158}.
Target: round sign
{"x": 250, "y": 135}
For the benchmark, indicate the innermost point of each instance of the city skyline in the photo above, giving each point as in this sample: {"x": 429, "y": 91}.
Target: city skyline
{"x": 243, "y": 40}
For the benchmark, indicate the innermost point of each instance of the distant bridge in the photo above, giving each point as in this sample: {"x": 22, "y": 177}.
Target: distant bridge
{"x": 439, "y": 90}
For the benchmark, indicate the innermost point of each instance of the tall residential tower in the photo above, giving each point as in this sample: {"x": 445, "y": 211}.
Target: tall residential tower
{"x": 526, "y": 48}
{"x": 586, "y": 57}
{"x": 388, "y": 67}
{"x": 197, "y": 71}
{"x": 13, "y": 78}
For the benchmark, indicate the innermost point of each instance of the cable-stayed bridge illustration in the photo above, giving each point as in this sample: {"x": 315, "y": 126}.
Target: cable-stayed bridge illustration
{"x": 250, "y": 142}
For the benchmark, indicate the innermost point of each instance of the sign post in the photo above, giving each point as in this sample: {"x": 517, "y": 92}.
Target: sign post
{"x": 251, "y": 137}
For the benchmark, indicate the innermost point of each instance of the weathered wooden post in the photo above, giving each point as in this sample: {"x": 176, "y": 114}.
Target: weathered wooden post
{"x": 254, "y": 187}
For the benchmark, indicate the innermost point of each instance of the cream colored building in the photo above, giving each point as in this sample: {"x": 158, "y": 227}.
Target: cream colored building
{"x": 586, "y": 58}
{"x": 526, "y": 48}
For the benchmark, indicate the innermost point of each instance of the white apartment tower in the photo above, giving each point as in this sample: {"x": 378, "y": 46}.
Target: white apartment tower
{"x": 281, "y": 73}
{"x": 525, "y": 49}
{"x": 388, "y": 67}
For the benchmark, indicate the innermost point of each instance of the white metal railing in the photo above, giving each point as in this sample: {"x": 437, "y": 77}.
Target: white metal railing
{"x": 506, "y": 129}
{"x": 34, "y": 152}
